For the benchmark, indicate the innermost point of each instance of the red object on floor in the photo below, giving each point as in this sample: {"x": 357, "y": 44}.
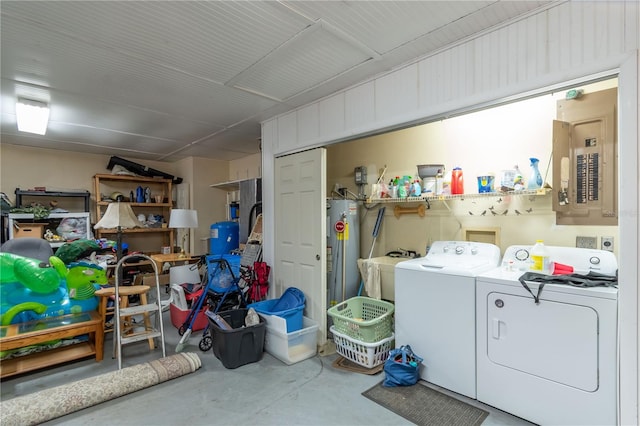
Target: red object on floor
{"x": 179, "y": 316}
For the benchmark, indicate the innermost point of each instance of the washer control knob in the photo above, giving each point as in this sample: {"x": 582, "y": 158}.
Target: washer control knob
{"x": 459, "y": 249}
{"x": 522, "y": 255}
{"x": 499, "y": 303}
{"x": 445, "y": 249}
{"x": 474, "y": 250}
{"x": 594, "y": 260}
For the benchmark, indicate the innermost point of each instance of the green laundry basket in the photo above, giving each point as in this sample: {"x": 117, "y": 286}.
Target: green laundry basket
{"x": 363, "y": 318}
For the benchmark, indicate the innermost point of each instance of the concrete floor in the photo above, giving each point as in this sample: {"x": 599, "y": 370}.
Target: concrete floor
{"x": 268, "y": 392}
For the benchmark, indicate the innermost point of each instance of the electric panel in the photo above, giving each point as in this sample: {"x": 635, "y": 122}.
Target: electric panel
{"x": 585, "y": 160}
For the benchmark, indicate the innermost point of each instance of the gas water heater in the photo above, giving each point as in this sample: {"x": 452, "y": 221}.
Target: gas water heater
{"x": 343, "y": 250}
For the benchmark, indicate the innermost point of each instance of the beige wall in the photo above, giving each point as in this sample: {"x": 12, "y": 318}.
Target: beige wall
{"x": 248, "y": 167}
{"x": 486, "y": 141}
{"x": 26, "y": 168}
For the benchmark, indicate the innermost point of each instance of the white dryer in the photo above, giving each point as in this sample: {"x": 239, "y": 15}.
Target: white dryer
{"x": 435, "y": 310}
{"x": 552, "y": 363}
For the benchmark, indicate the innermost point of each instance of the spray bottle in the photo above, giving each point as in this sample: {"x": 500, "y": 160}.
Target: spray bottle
{"x": 535, "y": 181}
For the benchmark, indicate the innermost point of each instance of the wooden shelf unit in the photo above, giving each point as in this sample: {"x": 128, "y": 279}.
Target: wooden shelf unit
{"x": 138, "y": 239}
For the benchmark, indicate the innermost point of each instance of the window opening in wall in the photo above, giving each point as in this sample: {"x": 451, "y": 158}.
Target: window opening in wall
{"x": 484, "y": 140}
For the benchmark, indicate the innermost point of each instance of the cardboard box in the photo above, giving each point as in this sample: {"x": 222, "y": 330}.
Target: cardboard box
{"x": 33, "y": 230}
{"x": 150, "y": 279}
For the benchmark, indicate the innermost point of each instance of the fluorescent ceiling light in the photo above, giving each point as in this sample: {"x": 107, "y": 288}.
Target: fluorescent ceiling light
{"x": 32, "y": 116}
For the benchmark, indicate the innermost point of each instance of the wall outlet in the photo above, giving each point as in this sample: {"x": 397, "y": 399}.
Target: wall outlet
{"x": 606, "y": 243}
{"x": 586, "y": 242}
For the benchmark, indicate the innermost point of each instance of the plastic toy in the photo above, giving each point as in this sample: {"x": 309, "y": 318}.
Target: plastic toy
{"x": 31, "y": 289}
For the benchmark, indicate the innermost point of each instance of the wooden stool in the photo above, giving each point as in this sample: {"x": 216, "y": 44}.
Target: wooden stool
{"x": 125, "y": 292}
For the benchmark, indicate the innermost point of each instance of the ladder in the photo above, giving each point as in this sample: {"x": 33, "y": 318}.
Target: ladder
{"x": 126, "y": 331}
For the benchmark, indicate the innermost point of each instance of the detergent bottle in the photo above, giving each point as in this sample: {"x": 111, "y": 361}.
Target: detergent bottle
{"x": 416, "y": 189}
{"x": 540, "y": 258}
{"x": 457, "y": 182}
{"x": 402, "y": 189}
{"x": 407, "y": 184}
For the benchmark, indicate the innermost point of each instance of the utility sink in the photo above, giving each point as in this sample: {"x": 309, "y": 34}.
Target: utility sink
{"x": 386, "y": 281}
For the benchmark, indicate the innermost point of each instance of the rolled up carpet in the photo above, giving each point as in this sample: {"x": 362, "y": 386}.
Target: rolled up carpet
{"x": 48, "y": 404}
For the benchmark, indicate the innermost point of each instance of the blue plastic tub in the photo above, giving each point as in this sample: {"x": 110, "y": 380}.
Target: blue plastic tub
{"x": 290, "y": 299}
{"x": 293, "y": 316}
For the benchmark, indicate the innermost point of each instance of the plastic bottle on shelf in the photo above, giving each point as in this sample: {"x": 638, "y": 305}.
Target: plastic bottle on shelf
{"x": 457, "y": 181}
{"x": 393, "y": 189}
{"x": 540, "y": 258}
{"x": 446, "y": 184}
{"x": 518, "y": 179}
{"x": 439, "y": 184}
{"x": 535, "y": 181}
{"x": 416, "y": 189}
{"x": 402, "y": 189}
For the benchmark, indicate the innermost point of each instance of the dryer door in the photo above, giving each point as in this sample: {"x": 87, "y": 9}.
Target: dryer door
{"x": 552, "y": 340}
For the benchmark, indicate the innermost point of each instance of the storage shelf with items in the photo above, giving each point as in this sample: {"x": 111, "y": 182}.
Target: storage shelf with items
{"x": 447, "y": 197}
{"x": 479, "y": 204}
{"x": 55, "y": 215}
{"x": 54, "y": 197}
{"x": 438, "y": 186}
{"x": 57, "y": 228}
{"x": 151, "y": 199}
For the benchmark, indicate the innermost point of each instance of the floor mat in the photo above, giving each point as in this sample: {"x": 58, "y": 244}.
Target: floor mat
{"x": 343, "y": 363}
{"x": 425, "y": 406}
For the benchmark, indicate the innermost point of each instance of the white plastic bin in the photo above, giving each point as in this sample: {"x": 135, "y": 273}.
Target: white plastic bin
{"x": 290, "y": 347}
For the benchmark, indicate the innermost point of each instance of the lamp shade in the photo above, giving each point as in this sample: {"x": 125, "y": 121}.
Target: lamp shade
{"x": 118, "y": 215}
{"x": 182, "y": 218}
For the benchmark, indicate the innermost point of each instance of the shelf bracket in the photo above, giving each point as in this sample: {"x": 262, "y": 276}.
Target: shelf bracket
{"x": 419, "y": 210}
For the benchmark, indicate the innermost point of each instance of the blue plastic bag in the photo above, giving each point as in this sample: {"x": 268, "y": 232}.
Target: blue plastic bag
{"x": 402, "y": 368}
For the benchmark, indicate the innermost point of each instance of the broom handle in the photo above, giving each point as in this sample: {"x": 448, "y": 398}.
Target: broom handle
{"x": 376, "y": 229}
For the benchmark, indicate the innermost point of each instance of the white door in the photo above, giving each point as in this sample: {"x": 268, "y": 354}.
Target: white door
{"x": 300, "y": 229}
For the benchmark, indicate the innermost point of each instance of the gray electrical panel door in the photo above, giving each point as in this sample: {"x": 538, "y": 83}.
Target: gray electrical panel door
{"x": 585, "y": 179}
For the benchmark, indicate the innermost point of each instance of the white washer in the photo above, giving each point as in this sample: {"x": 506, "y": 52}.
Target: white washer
{"x": 435, "y": 310}
{"x": 554, "y": 362}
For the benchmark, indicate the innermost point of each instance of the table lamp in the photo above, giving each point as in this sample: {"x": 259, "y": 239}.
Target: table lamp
{"x": 118, "y": 216}
{"x": 182, "y": 218}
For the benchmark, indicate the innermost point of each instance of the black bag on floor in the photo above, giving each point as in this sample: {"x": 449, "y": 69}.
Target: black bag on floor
{"x": 402, "y": 368}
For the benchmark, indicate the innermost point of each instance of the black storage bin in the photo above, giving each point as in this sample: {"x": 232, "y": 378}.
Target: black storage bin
{"x": 240, "y": 346}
